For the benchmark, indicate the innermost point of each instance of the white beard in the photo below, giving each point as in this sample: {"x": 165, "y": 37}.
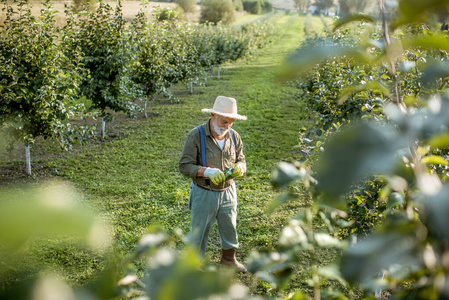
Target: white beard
{"x": 221, "y": 131}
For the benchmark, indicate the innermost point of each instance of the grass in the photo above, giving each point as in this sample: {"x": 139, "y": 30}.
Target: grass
{"x": 244, "y": 18}
{"x": 132, "y": 178}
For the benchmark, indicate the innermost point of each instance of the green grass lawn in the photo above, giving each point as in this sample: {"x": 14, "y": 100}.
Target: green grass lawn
{"x": 132, "y": 178}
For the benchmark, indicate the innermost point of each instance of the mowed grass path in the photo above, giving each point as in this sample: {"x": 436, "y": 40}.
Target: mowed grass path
{"x": 132, "y": 179}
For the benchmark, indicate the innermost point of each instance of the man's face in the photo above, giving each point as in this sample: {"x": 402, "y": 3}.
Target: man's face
{"x": 221, "y": 124}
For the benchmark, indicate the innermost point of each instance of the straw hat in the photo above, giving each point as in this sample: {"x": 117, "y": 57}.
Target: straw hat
{"x": 226, "y": 107}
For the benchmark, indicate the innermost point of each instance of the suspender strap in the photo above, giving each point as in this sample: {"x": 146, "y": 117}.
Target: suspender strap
{"x": 203, "y": 146}
{"x": 233, "y": 139}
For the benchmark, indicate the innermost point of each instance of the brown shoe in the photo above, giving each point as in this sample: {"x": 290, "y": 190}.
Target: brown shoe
{"x": 228, "y": 259}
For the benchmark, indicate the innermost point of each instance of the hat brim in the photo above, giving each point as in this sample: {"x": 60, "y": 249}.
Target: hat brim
{"x": 232, "y": 116}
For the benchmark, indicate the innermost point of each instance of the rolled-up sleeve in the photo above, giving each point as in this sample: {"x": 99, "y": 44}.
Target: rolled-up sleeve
{"x": 188, "y": 164}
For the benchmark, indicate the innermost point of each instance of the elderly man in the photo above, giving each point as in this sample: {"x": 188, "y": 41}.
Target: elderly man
{"x": 213, "y": 157}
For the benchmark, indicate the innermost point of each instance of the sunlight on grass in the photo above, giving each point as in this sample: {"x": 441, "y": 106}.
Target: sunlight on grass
{"x": 244, "y": 18}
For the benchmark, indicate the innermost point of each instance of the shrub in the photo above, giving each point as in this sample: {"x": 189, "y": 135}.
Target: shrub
{"x": 79, "y": 5}
{"x": 188, "y": 6}
{"x": 238, "y": 5}
{"x": 215, "y": 11}
{"x": 167, "y": 14}
{"x": 252, "y": 6}
{"x": 266, "y": 6}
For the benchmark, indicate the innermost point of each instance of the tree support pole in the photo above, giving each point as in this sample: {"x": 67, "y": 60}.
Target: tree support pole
{"x": 28, "y": 159}
{"x": 145, "y": 109}
{"x": 103, "y": 128}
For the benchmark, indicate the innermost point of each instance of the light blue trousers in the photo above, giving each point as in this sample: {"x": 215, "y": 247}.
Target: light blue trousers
{"x": 208, "y": 206}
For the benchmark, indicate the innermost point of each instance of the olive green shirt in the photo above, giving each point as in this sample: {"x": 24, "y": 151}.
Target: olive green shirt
{"x": 190, "y": 160}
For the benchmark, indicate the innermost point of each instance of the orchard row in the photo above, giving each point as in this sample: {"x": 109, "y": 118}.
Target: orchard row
{"x": 99, "y": 62}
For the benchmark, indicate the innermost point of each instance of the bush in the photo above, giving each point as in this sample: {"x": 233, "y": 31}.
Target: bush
{"x": 252, "y": 6}
{"x": 167, "y": 14}
{"x": 257, "y": 6}
{"x": 188, "y": 6}
{"x": 238, "y": 5}
{"x": 266, "y": 6}
{"x": 215, "y": 11}
{"x": 79, "y": 5}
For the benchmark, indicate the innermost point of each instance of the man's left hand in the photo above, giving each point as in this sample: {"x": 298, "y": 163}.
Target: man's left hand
{"x": 238, "y": 171}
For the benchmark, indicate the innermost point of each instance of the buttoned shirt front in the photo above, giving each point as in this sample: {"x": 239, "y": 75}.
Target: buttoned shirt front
{"x": 190, "y": 160}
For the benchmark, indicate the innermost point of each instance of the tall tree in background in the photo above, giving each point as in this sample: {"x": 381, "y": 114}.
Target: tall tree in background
{"x": 354, "y": 6}
{"x": 302, "y": 5}
{"x": 323, "y": 6}
{"x": 214, "y": 11}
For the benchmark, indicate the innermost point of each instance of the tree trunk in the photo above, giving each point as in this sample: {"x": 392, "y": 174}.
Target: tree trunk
{"x": 391, "y": 66}
{"x": 218, "y": 73}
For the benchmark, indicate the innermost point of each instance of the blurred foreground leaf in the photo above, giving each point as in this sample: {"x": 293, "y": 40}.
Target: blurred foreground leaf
{"x": 437, "y": 210}
{"x": 433, "y": 72}
{"x": 272, "y": 267}
{"x": 286, "y": 174}
{"x": 416, "y": 11}
{"x": 49, "y": 211}
{"x": 369, "y": 257}
{"x": 303, "y": 59}
{"x": 372, "y": 85}
{"x": 280, "y": 200}
{"x": 353, "y": 154}
{"x": 352, "y": 18}
{"x": 178, "y": 276}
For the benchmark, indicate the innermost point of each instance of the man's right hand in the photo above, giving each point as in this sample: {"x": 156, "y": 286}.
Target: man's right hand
{"x": 215, "y": 175}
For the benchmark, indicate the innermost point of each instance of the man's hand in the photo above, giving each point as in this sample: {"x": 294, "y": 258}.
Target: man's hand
{"x": 238, "y": 171}
{"x": 215, "y": 175}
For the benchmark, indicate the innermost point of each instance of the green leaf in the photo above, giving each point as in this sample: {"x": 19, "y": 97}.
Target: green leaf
{"x": 395, "y": 199}
{"x": 300, "y": 296}
{"x": 440, "y": 140}
{"x": 372, "y": 85}
{"x": 369, "y": 257}
{"x": 352, "y": 18}
{"x": 434, "y": 72}
{"x": 354, "y": 153}
{"x": 272, "y": 267}
{"x": 293, "y": 235}
{"x": 49, "y": 211}
{"x": 332, "y": 272}
{"x": 325, "y": 240}
{"x": 286, "y": 174}
{"x": 172, "y": 276}
{"x": 435, "y": 159}
{"x": 436, "y": 212}
{"x": 150, "y": 241}
{"x": 303, "y": 59}
{"x": 414, "y": 11}
{"x": 430, "y": 42}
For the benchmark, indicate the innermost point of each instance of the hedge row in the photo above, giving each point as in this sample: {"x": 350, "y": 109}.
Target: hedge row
{"x": 48, "y": 73}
